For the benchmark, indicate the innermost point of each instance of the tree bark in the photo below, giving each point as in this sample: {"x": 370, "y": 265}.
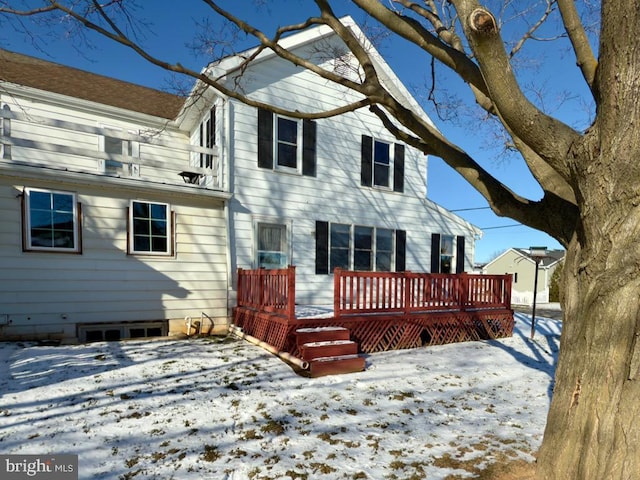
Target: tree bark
{"x": 593, "y": 427}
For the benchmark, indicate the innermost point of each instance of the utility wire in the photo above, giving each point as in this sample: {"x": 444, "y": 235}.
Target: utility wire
{"x": 502, "y": 226}
{"x": 468, "y": 209}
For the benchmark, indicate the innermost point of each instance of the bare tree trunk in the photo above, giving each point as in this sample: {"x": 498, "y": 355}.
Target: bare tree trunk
{"x": 593, "y": 425}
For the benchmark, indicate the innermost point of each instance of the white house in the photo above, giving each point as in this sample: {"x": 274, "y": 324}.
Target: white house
{"x": 522, "y": 267}
{"x": 127, "y": 211}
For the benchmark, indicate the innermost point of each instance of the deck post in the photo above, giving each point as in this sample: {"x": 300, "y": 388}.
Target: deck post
{"x": 336, "y": 291}
{"x": 408, "y": 284}
{"x": 291, "y": 292}
{"x": 463, "y": 291}
{"x": 261, "y": 286}
{"x": 240, "y": 300}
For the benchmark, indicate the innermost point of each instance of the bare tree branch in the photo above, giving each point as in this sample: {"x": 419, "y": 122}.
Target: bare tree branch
{"x": 578, "y": 36}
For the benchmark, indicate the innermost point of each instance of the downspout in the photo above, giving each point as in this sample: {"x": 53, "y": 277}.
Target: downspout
{"x": 287, "y": 357}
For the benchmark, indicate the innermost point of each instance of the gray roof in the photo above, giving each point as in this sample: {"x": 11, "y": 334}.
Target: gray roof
{"x": 552, "y": 256}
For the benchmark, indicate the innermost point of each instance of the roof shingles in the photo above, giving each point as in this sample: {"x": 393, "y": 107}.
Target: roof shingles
{"x": 52, "y": 77}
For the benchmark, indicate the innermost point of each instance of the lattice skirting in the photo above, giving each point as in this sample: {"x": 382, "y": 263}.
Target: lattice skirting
{"x": 379, "y": 333}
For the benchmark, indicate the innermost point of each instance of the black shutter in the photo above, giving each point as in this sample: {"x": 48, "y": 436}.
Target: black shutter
{"x": 322, "y": 248}
{"x": 265, "y": 139}
{"x": 401, "y": 250}
{"x": 309, "y": 148}
{"x": 459, "y": 254}
{"x": 366, "y": 173}
{"x": 435, "y": 253}
{"x": 398, "y": 168}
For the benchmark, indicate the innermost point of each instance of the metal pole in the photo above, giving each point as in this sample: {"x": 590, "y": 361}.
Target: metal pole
{"x": 535, "y": 293}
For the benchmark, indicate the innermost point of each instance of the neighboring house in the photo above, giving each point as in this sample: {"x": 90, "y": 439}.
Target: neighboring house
{"x": 518, "y": 263}
{"x": 126, "y": 211}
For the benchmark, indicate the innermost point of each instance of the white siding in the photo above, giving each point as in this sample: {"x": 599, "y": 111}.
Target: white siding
{"x": 49, "y": 293}
{"x": 335, "y": 194}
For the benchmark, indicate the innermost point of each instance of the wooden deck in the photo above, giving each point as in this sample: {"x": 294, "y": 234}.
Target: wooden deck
{"x": 382, "y": 310}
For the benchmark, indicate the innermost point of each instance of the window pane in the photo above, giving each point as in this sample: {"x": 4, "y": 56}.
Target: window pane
{"x": 63, "y": 239}
{"x": 362, "y": 260}
{"x": 113, "y": 145}
{"x": 381, "y": 175}
{"x": 287, "y": 130}
{"x": 41, "y": 219}
{"x": 287, "y": 155}
{"x": 339, "y": 258}
{"x": 158, "y": 227}
{"x": 40, "y": 200}
{"x": 140, "y": 210}
{"x": 159, "y": 244}
{"x": 41, "y": 238}
{"x": 381, "y": 153}
{"x": 384, "y": 240}
{"x": 141, "y": 227}
{"x": 340, "y": 235}
{"x": 383, "y": 261}
{"x": 363, "y": 237}
{"x": 159, "y": 212}
{"x": 141, "y": 243}
{"x": 62, "y": 203}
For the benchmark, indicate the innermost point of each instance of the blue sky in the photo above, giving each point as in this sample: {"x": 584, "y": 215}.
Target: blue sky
{"x": 173, "y": 29}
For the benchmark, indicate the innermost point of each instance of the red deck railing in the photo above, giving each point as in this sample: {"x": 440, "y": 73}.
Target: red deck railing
{"x": 272, "y": 291}
{"x": 407, "y": 292}
{"x": 382, "y": 310}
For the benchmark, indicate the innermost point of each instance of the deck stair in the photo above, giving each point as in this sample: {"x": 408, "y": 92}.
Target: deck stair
{"x": 329, "y": 351}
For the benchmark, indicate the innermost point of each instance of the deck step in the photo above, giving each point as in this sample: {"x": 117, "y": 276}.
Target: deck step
{"x": 321, "y": 334}
{"x": 336, "y": 365}
{"x": 331, "y": 348}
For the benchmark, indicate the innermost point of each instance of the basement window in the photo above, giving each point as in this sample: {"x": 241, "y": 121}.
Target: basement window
{"x": 112, "y": 332}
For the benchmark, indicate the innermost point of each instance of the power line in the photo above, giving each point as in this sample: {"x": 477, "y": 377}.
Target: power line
{"x": 502, "y": 226}
{"x": 468, "y": 209}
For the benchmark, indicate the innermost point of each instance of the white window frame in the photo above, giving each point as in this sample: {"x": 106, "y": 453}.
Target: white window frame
{"x": 29, "y": 221}
{"x": 373, "y": 251}
{"x": 448, "y": 250}
{"x": 130, "y": 148}
{"x": 206, "y": 125}
{"x": 299, "y": 147}
{"x": 389, "y": 185}
{"x": 258, "y": 221}
{"x": 169, "y": 230}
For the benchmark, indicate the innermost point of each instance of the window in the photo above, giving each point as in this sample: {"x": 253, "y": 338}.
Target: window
{"x": 340, "y": 246}
{"x": 272, "y": 245}
{"x": 381, "y": 165}
{"x": 384, "y": 250}
{"x": 359, "y": 248}
{"x": 117, "y": 146}
{"x": 207, "y": 138}
{"x": 363, "y": 248}
{"x": 286, "y": 144}
{"x": 52, "y": 221}
{"x": 150, "y": 228}
{"x": 447, "y": 253}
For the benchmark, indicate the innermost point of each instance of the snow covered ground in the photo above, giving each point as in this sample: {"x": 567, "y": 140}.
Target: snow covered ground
{"x": 226, "y": 409}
